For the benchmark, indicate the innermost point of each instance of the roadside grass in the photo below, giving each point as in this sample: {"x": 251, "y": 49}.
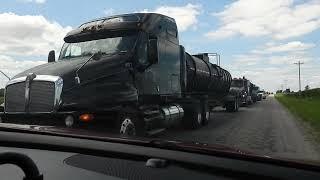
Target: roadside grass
{"x": 1, "y": 100}
{"x": 305, "y": 107}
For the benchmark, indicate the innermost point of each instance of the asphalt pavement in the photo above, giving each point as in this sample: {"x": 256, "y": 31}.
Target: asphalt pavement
{"x": 265, "y": 128}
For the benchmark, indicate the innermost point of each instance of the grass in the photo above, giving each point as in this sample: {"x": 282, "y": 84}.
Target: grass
{"x": 305, "y": 107}
{"x": 1, "y": 100}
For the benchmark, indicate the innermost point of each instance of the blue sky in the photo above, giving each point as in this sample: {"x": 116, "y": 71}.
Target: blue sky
{"x": 259, "y": 39}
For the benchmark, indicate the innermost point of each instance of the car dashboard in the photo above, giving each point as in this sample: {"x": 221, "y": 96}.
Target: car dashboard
{"x": 63, "y": 165}
{"x": 59, "y": 157}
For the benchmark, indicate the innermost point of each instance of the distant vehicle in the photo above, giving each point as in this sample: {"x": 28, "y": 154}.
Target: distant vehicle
{"x": 260, "y": 95}
{"x": 254, "y": 93}
{"x": 242, "y": 85}
{"x": 264, "y": 96}
{"x": 287, "y": 90}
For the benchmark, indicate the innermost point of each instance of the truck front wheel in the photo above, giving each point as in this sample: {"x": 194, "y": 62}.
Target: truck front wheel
{"x": 129, "y": 125}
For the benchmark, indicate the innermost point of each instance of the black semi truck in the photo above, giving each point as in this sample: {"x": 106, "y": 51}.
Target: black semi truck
{"x": 128, "y": 67}
{"x": 244, "y": 87}
{"x": 255, "y": 91}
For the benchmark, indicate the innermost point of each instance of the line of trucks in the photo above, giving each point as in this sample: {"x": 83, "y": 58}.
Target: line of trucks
{"x": 129, "y": 70}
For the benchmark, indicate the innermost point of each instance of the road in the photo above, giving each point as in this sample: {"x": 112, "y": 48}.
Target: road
{"x": 266, "y": 128}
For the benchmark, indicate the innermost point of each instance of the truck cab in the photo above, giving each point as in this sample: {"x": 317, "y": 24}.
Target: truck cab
{"x": 255, "y": 91}
{"x": 242, "y": 85}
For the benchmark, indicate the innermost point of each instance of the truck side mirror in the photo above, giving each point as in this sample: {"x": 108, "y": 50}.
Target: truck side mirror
{"x": 51, "y": 56}
{"x": 153, "y": 51}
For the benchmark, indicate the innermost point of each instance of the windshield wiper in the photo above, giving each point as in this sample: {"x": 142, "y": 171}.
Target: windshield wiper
{"x": 95, "y": 56}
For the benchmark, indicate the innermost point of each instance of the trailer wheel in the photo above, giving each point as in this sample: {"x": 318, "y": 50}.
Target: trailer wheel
{"x": 232, "y": 106}
{"x": 193, "y": 115}
{"x": 129, "y": 125}
{"x": 237, "y": 105}
{"x": 205, "y": 112}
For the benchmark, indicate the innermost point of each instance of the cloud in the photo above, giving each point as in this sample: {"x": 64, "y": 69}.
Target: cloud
{"x": 245, "y": 59}
{"x": 109, "y": 11}
{"x": 287, "y": 59}
{"x": 281, "y": 19}
{"x": 12, "y": 67}
{"x": 293, "y": 46}
{"x": 270, "y": 71}
{"x": 36, "y": 1}
{"x": 267, "y": 78}
{"x": 29, "y": 35}
{"x": 185, "y": 16}
{"x": 25, "y": 37}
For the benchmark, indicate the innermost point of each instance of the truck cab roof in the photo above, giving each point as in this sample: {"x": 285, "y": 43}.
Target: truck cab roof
{"x": 133, "y": 17}
{"x": 155, "y": 24}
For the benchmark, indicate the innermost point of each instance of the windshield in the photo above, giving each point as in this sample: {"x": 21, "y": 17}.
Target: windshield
{"x": 186, "y": 71}
{"x": 106, "y": 46}
{"x": 237, "y": 83}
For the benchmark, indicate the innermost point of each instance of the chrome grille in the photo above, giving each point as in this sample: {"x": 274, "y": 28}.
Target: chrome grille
{"x": 41, "y": 96}
{"x": 15, "y": 97}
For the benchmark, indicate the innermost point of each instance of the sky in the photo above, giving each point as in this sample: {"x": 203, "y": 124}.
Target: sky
{"x": 258, "y": 39}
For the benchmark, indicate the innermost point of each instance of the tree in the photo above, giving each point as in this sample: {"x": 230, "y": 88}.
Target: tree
{"x": 307, "y": 87}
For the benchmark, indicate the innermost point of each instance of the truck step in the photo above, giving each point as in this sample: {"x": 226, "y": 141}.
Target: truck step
{"x": 155, "y": 131}
{"x": 151, "y": 112}
{"x": 144, "y": 107}
{"x": 152, "y": 118}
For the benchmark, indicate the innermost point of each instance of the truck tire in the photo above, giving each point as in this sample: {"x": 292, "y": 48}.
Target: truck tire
{"x": 237, "y": 105}
{"x": 249, "y": 102}
{"x": 232, "y": 106}
{"x": 129, "y": 124}
{"x": 192, "y": 115}
{"x": 205, "y": 112}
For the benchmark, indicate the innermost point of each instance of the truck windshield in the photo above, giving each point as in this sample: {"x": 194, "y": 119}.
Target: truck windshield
{"x": 237, "y": 83}
{"x": 106, "y": 46}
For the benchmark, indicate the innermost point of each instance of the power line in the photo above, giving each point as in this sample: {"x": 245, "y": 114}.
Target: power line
{"x": 299, "y": 64}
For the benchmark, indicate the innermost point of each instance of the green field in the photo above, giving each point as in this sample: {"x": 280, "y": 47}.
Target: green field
{"x": 306, "y": 106}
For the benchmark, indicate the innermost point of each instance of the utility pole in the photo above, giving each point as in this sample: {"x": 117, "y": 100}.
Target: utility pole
{"x": 299, "y": 63}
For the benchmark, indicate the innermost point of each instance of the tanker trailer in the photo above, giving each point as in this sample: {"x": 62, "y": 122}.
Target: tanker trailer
{"x": 127, "y": 72}
{"x": 207, "y": 78}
